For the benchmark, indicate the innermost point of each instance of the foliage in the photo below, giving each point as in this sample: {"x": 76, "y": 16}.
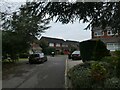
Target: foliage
{"x": 23, "y": 55}
{"x": 13, "y": 44}
{"x": 117, "y": 53}
{"x": 22, "y": 28}
{"x": 48, "y": 50}
{"x": 80, "y": 77}
{"x": 98, "y": 71}
{"x": 113, "y": 82}
{"x": 111, "y": 60}
{"x": 96, "y": 13}
{"x": 93, "y": 50}
{"x": 94, "y": 74}
{"x": 114, "y": 64}
{"x": 100, "y": 50}
{"x": 43, "y": 44}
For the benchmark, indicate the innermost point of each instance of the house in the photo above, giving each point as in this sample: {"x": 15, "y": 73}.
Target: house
{"x": 108, "y": 36}
{"x": 72, "y": 45}
{"x": 35, "y": 48}
{"x": 59, "y": 44}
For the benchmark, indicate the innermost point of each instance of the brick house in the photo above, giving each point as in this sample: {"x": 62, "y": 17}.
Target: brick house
{"x": 73, "y": 44}
{"x": 108, "y": 36}
{"x": 59, "y": 44}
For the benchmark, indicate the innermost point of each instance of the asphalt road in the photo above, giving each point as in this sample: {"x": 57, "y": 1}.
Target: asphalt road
{"x": 47, "y": 75}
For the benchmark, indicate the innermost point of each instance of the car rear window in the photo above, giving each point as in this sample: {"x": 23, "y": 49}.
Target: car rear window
{"x": 34, "y": 55}
{"x": 76, "y": 52}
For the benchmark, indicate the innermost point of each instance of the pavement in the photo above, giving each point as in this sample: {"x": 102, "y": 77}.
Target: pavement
{"x": 69, "y": 64}
{"x": 49, "y": 74}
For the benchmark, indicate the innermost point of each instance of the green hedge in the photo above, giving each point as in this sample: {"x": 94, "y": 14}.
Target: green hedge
{"x": 93, "y": 50}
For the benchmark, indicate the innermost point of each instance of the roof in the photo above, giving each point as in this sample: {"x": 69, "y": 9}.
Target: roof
{"x": 109, "y": 40}
{"x": 99, "y": 28}
{"x": 69, "y": 41}
{"x": 52, "y": 40}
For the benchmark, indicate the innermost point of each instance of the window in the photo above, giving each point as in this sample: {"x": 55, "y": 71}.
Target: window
{"x": 111, "y": 32}
{"x": 113, "y": 46}
{"x": 63, "y": 45}
{"x": 57, "y": 45}
{"x": 98, "y": 33}
{"x": 51, "y": 44}
{"x": 66, "y": 45}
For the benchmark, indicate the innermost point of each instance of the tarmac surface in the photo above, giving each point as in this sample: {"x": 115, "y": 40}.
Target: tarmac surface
{"x": 50, "y": 74}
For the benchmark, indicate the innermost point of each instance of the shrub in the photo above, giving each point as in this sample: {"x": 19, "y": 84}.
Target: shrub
{"x": 94, "y": 74}
{"x": 113, "y": 82}
{"x": 117, "y": 53}
{"x": 93, "y": 50}
{"x": 111, "y": 60}
{"x": 98, "y": 71}
{"x": 114, "y": 65}
{"x": 80, "y": 76}
{"x": 23, "y": 55}
{"x": 49, "y": 50}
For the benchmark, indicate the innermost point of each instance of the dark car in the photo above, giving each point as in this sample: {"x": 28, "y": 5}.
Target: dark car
{"x": 37, "y": 58}
{"x": 76, "y": 55}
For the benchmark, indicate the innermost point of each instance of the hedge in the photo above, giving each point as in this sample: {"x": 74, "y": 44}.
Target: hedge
{"x": 93, "y": 50}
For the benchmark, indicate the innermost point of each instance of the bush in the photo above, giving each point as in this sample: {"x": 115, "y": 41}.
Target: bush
{"x": 80, "y": 76}
{"x": 23, "y": 55}
{"x": 117, "y": 53}
{"x": 93, "y": 74}
{"x": 114, "y": 65}
{"x": 93, "y": 50}
{"x": 113, "y": 82}
{"x": 49, "y": 50}
{"x": 111, "y": 60}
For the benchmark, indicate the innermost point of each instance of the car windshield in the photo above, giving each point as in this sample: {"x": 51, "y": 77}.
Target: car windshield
{"x": 76, "y": 52}
{"x": 34, "y": 55}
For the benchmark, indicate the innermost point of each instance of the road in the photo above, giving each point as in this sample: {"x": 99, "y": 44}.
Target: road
{"x": 46, "y": 75}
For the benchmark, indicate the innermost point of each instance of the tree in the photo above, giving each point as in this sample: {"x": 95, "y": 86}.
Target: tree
{"x": 96, "y": 13}
{"x": 22, "y": 28}
{"x": 100, "y": 14}
{"x": 43, "y": 44}
{"x": 13, "y": 44}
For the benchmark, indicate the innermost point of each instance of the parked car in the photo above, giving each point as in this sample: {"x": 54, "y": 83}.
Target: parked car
{"x": 76, "y": 55}
{"x": 37, "y": 58}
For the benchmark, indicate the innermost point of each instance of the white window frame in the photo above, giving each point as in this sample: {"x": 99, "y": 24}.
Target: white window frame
{"x": 97, "y": 33}
{"x": 63, "y": 45}
{"x": 57, "y": 45}
{"x": 51, "y": 44}
{"x": 113, "y": 46}
{"x": 111, "y": 33}
{"x": 66, "y": 45}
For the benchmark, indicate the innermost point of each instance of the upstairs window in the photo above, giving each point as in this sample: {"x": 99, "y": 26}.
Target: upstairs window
{"x": 98, "y": 33}
{"x": 51, "y": 44}
{"x": 111, "y": 32}
{"x": 57, "y": 45}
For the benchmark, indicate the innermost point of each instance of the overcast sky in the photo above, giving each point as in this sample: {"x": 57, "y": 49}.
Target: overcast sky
{"x": 69, "y": 31}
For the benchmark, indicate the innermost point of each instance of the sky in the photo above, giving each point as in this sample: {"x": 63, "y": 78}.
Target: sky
{"x": 69, "y": 31}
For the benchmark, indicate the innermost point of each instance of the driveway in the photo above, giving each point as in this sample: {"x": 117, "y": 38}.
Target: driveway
{"x": 46, "y": 75}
